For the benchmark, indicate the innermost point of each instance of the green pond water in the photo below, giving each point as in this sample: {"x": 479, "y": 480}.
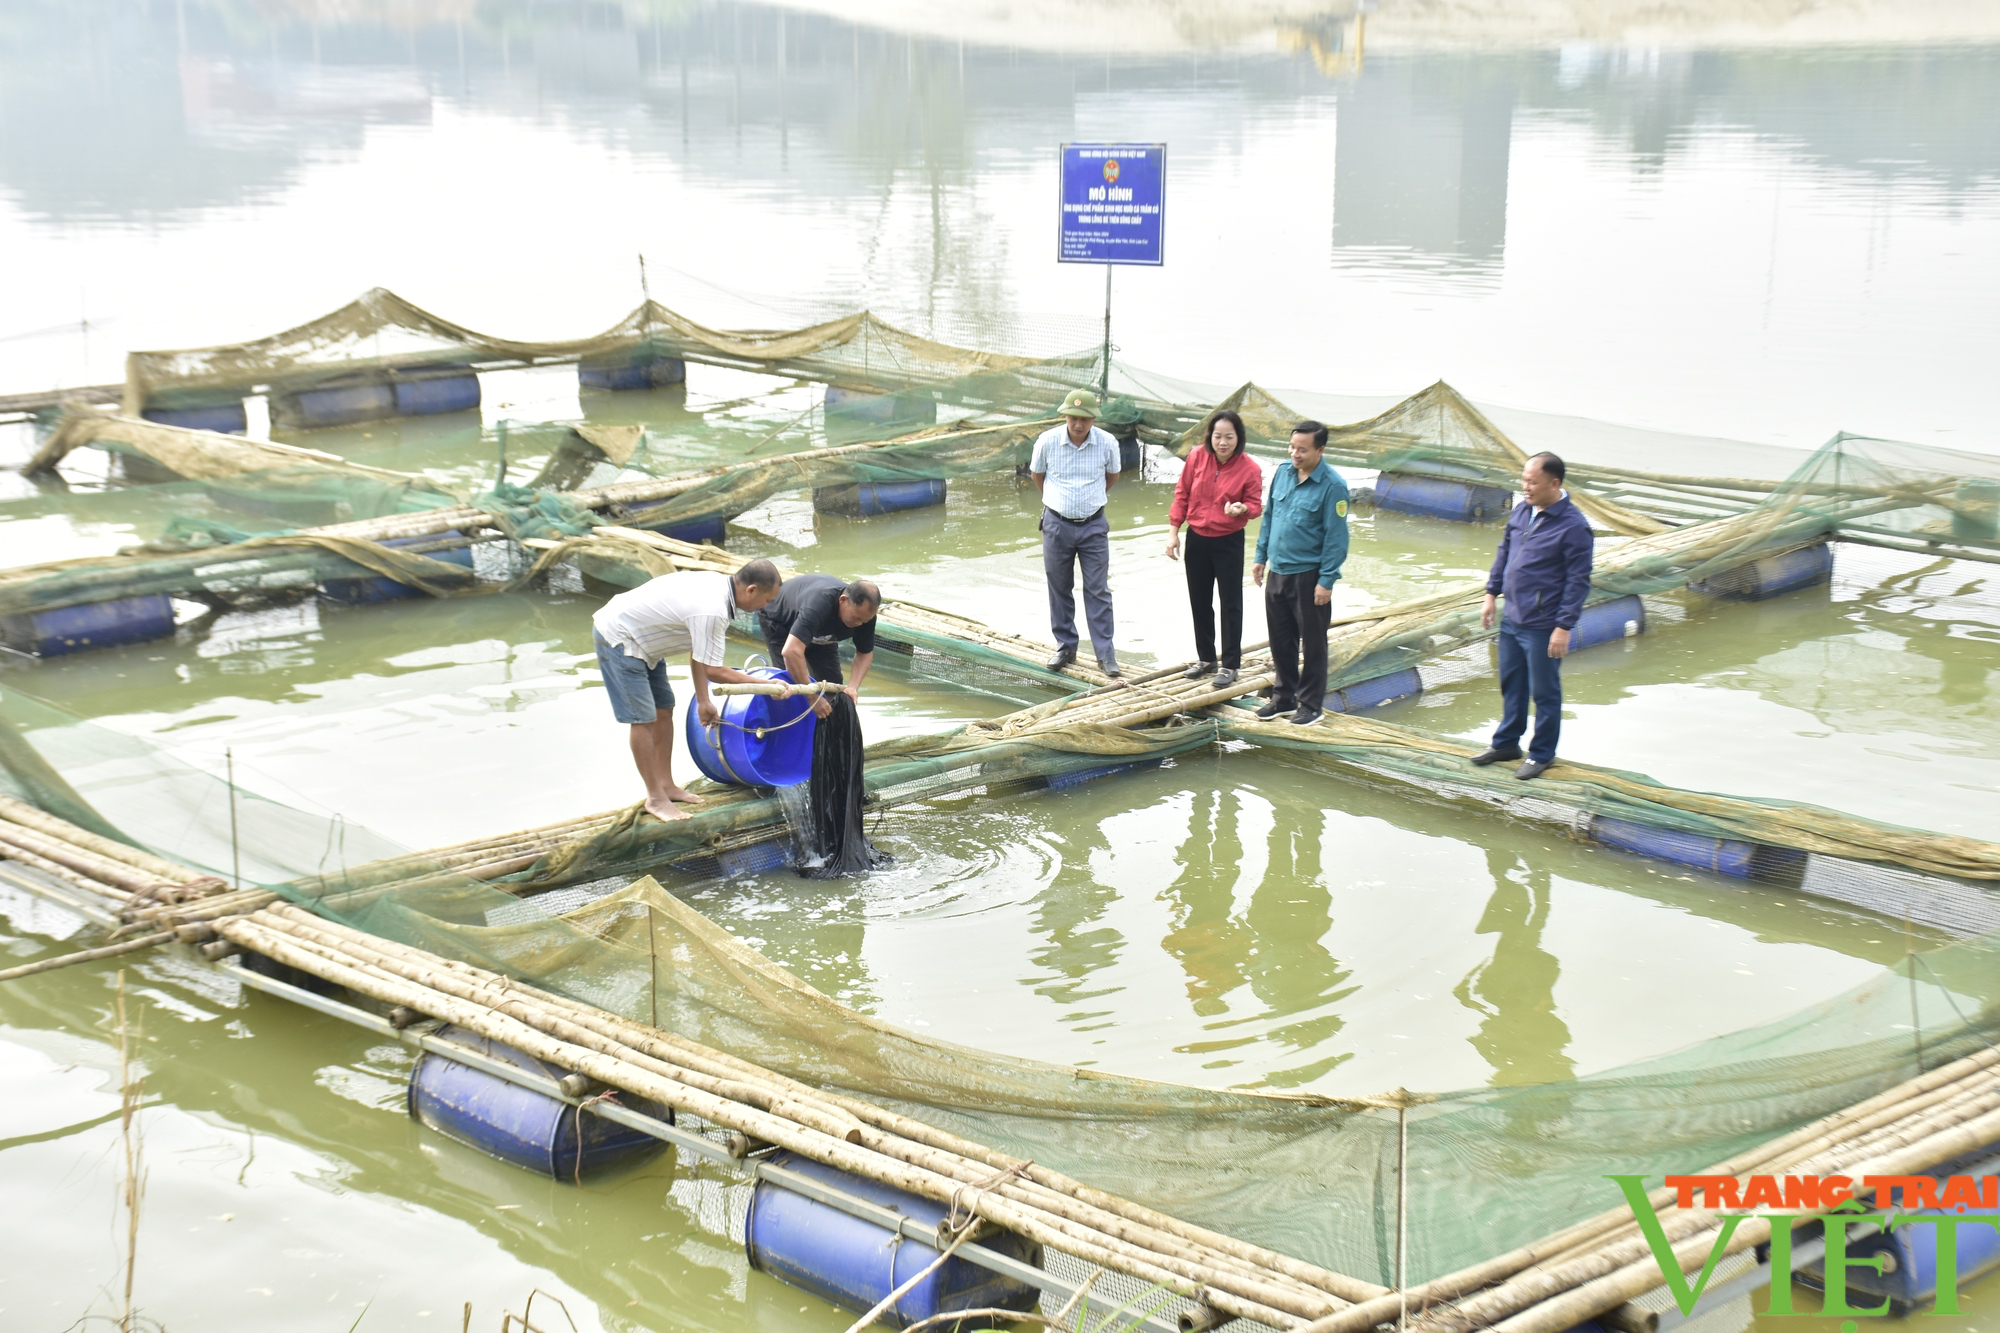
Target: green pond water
{"x": 1232, "y": 918}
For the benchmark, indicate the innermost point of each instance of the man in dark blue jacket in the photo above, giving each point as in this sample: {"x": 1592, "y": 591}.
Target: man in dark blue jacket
{"x": 1543, "y": 570}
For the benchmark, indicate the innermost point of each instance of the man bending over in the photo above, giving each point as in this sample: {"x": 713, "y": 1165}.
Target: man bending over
{"x": 806, "y": 621}
{"x": 635, "y": 632}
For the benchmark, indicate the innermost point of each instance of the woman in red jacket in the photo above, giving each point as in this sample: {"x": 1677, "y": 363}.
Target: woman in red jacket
{"x": 1221, "y": 489}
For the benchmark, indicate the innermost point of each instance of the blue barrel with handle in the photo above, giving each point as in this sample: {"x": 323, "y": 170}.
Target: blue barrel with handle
{"x": 761, "y": 740}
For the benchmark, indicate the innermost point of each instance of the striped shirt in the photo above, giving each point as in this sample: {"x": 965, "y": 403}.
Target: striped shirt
{"x": 1073, "y": 474}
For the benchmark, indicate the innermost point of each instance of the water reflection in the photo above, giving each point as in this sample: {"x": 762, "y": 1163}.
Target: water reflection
{"x": 1514, "y": 991}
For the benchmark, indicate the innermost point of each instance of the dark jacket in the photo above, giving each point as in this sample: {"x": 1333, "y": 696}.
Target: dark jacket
{"x": 1543, "y": 569}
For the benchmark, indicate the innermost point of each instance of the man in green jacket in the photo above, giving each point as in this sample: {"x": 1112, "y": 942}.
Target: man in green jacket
{"x": 1303, "y": 543}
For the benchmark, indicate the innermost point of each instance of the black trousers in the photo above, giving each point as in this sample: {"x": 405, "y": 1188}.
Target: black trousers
{"x": 822, "y": 659}
{"x": 1214, "y": 563}
{"x": 1298, "y": 628}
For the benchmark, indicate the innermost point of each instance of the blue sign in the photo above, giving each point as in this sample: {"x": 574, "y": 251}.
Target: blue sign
{"x": 1114, "y": 204}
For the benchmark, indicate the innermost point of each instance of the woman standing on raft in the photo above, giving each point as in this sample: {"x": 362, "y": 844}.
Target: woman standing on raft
{"x": 1221, "y": 489}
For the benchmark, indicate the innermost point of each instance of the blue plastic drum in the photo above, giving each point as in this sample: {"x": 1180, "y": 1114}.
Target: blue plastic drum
{"x": 734, "y": 751}
{"x": 518, "y": 1124}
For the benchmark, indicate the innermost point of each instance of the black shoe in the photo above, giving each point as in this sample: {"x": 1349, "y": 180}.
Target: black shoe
{"x": 1534, "y": 768}
{"x": 1063, "y": 657}
{"x": 1305, "y": 717}
{"x": 1272, "y": 709}
{"x": 1198, "y": 670}
{"x": 1114, "y": 671}
{"x": 1497, "y": 755}
{"x": 1224, "y": 678}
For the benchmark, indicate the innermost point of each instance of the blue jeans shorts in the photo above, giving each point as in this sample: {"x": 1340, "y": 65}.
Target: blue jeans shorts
{"x": 638, "y": 692}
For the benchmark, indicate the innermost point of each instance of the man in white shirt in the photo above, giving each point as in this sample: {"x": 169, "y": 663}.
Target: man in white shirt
{"x": 635, "y": 632}
{"x": 1074, "y": 465}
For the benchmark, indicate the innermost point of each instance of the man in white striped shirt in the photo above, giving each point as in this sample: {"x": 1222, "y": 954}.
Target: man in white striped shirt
{"x": 635, "y": 632}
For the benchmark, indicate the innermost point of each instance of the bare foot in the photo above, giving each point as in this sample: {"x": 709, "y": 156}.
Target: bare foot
{"x": 683, "y": 795}
{"x": 665, "y": 810}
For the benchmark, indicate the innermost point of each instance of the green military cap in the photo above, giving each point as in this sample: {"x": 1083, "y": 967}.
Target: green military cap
{"x": 1080, "y": 403}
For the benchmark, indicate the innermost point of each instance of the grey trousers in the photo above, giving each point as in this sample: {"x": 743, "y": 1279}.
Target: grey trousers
{"x": 1065, "y": 544}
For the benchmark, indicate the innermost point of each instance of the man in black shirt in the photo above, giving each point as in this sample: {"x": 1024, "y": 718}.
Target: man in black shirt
{"x": 804, "y": 624}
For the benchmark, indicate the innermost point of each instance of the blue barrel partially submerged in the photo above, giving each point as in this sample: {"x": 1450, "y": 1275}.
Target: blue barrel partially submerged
{"x": 869, "y": 498}
{"x": 1363, "y": 695}
{"x": 854, "y": 1263}
{"x": 1734, "y": 857}
{"x": 1768, "y": 576}
{"x": 382, "y": 588}
{"x": 63, "y": 630}
{"x": 518, "y": 1124}
{"x": 1909, "y": 1278}
{"x": 761, "y": 741}
{"x": 1466, "y": 499}
{"x": 1620, "y": 618}
{"x": 627, "y": 372}
{"x": 430, "y": 392}
{"x": 225, "y": 418}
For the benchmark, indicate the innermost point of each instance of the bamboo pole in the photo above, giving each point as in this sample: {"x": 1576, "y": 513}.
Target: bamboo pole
{"x": 67, "y": 875}
{"x": 86, "y": 955}
{"x": 804, "y": 1107}
{"x": 28, "y": 816}
{"x": 729, "y": 1114}
{"x": 119, "y": 874}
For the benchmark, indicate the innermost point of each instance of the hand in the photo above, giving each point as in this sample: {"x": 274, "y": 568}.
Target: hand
{"x": 853, "y": 693}
{"x": 821, "y": 708}
{"x": 1257, "y": 575}
{"x": 1235, "y": 508}
{"x": 1486, "y": 612}
{"x": 1173, "y": 546}
{"x": 1322, "y": 596}
{"x": 707, "y": 712}
{"x": 1559, "y": 642}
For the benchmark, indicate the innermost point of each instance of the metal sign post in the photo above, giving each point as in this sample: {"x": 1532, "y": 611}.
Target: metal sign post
{"x": 1112, "y": 210}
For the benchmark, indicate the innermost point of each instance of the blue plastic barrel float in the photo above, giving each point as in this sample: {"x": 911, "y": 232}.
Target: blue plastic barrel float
{"x": 1734, "y": 857}
{"x": 1451, "y": 493}
{"x": 712, "y": 530}
{"x": 1909, "y": 1278}
{"x": 734, "y": 752}
{"x": 854, "y": 1263}
{"x": 227, "y": 417}
{"x": 1374, "y": 692}
{"x": 63, "y": 630}
{"x": 869, "y": 498}
{"x": 518, "y": 1124}
{"x": 382, "y": 588}
{"x": 1619, "y": 618}
{"x": 1770, "y": 575}
{"x": 429, "y": 391}
{"x": 342, "y": 400}
{"x": 626, "y": 372}
{"x": 1065, "y": 781}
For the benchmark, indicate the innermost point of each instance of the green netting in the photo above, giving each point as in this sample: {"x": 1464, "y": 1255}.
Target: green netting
{"x": 1304, "y": 1174}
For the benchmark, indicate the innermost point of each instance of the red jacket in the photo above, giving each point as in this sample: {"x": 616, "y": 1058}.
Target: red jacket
{"x": 1204, "y": 488}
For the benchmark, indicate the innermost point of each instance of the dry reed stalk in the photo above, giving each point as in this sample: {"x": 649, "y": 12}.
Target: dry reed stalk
{"x": 130, "y": 1092}
{"x": 822, "y": 1147}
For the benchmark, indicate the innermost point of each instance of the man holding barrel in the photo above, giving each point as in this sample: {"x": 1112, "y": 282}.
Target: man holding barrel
{"x": 805, "y": 623}
{"x": 635, "y": 632}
